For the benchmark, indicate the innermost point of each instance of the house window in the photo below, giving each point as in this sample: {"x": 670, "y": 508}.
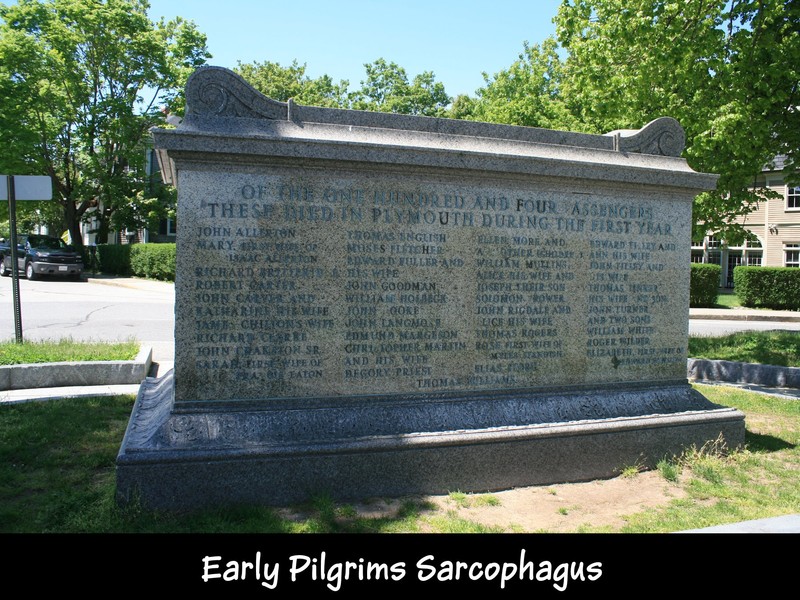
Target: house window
{"x": 753, "y": 253}
{"x": 791, "y": 255}
{"x": 167, "y": 227}
{"x": 754, "y": 259}
{"x": 793, "y": 198}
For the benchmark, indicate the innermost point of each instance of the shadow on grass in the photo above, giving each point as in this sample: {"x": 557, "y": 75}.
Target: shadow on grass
{"x": 757, "y": 442}
{"x": 323, "y": 515}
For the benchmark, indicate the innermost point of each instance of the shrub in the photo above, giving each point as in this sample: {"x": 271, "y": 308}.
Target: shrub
{"x": 114, "y": 259}
{"x": 704, "y": 287}
{"x": 154, "y": 261}
{"x": 768, "y": 287}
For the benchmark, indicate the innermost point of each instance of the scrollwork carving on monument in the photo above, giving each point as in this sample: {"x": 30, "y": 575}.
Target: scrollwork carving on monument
{"x": 218, "y": 92}
{"x": 152, "y": 407}
{"x": 663, "y": 136}
{"x": 183, "y": 429}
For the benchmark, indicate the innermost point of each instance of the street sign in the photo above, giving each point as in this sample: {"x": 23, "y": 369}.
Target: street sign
{"x": 28, "y": 187}
{"x": 13, "y": 188}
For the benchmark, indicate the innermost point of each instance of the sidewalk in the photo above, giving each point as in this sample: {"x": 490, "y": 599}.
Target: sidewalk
{"x": 129, "y": 282}
{"x": 745, "y": 314}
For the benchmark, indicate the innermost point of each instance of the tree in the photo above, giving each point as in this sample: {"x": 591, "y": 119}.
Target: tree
{"x": 463, "y": 107}
{"x": 387, "y": 89}
{"x": 81, "y": 81}
{"x": 281, "y": 83}
{"x": 528, "y": 92}
{"x": 726, "y": 69}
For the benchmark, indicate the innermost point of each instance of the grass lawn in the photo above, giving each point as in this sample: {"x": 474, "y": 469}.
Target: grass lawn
{"x": 65, "y": 350}
{"x": 781, "y": 348}
{"x": 57, "y": 475}
{"x": 727, "y": 299}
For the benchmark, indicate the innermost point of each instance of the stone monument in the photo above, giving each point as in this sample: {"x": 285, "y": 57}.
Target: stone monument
{"x": 376, "y": 304}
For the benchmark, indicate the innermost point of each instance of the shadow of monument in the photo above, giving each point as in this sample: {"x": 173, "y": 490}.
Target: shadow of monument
{"x": 758, "y": 442}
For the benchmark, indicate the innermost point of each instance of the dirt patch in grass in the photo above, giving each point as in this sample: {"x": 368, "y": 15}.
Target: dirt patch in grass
{"x": 568, "y": 507}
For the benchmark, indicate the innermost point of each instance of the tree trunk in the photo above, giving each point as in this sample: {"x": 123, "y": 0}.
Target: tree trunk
{"x": 73, "y": 223}
{"x": 101, "y": 233}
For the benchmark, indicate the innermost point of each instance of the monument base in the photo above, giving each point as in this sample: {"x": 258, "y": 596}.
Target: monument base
{"x": 181, "y": 457}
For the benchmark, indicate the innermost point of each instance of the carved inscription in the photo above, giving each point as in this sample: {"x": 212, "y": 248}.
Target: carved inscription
{"x": 299, "y": 286}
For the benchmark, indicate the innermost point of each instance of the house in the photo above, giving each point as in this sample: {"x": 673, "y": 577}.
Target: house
{"x": 166, "y": 228}
{"x": 775, "y": 224}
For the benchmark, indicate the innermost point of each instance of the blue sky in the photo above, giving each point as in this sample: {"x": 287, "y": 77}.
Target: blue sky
{"x": 456, "y": 39}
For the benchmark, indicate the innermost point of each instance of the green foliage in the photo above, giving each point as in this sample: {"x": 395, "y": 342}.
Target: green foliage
{"x": 65, "y": 350}
{"x": 145, "y": 209}
{"x": 768, "y": 287}
{"x": 704, "y": 285}
{"x": 153, "y": 261}
{"x": 387, "y": 89}
{"x": 115, "y": 259}
{"x": 462, "y": 500}
{"x": 528, "y": 92}
{"x": 281, "y": 83}
{"x": 73, "y": 74}
{"x": 728, "y": 71}
{"x": 462, "y": 107}
{"x": 669, "y": 470}
{"x": 630, "y": 471}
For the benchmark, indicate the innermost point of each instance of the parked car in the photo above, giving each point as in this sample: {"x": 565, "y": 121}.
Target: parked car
{"x": 44, "y": 255}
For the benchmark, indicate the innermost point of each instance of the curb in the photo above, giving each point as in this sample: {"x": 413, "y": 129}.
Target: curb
{"x": 784, "y": 524}
{"x": 700, "y": 369}
{"x": 130, "y": 282}
{"x": 78, "y": 373}
{"x": 746, "y": 317}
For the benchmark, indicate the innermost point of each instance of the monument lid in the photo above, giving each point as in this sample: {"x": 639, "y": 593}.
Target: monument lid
{"x": 242, "y": 121}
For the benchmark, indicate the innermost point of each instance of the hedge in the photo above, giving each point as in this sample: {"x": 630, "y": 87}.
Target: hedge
{"x": 153, "y": 261}
{"x": 114, "y": 259}
{"x": 768, "y": 287}
{"x": 704, "y": 287}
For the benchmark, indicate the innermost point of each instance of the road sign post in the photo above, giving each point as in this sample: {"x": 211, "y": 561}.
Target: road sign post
{"x": 21, "y": 187}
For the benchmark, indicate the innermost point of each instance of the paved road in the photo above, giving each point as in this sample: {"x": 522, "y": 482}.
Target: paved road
{"x": 115, "y": 309}
{"x": 92, "y": 310}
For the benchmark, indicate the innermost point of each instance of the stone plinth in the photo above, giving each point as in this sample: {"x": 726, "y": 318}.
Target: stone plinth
{"x": 379, "y": 304}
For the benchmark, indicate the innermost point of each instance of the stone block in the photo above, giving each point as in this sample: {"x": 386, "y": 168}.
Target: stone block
{"x": 377, "y": 304}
